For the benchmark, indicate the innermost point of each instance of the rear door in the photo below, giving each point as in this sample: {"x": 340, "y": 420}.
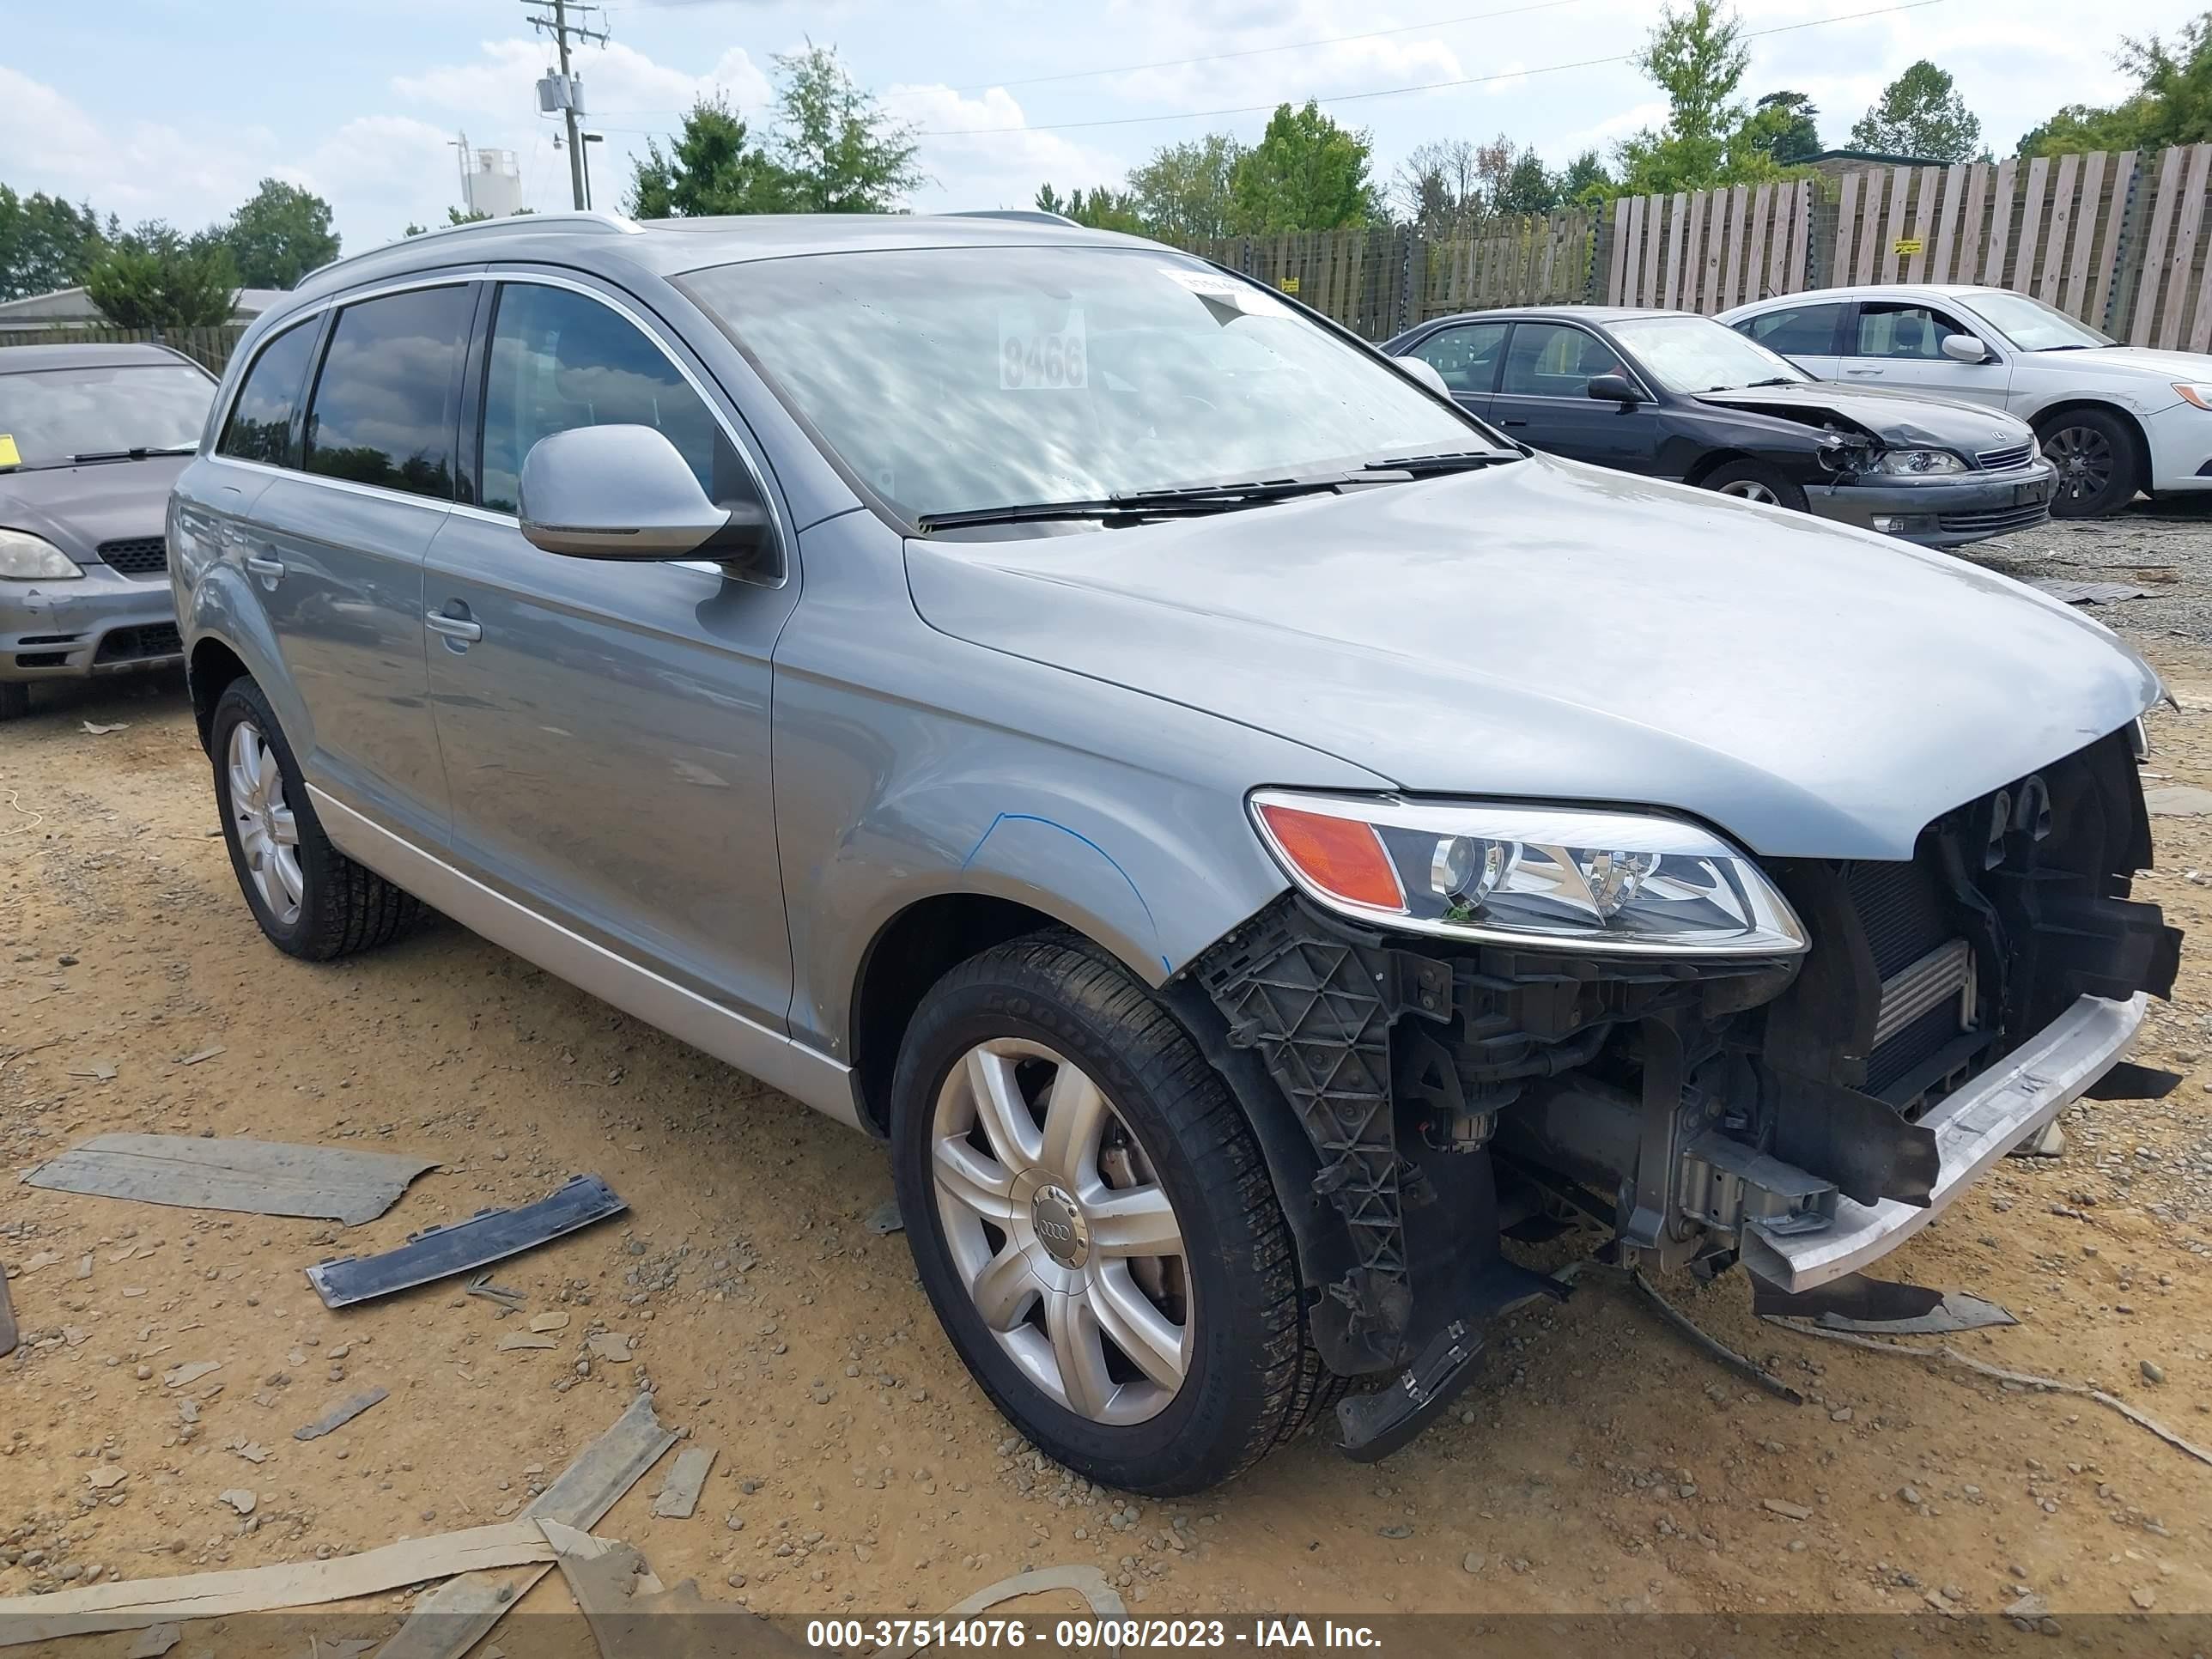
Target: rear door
{"x": 1900, "y": 343}
{"x": 1543, "y": 399}
{"x": 606, "y": 724}
{"x": 1467, "y": 356}
{"x": 1805, "y": 334}
{"x": 334, "y": 546}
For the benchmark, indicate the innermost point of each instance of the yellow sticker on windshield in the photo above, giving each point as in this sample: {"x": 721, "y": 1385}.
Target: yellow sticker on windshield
{"x": 9, "y": 455}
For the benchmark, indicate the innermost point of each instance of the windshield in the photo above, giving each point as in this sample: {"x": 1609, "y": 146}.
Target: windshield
{"x": 954, "y": 380}
{"x": 1696, "y": 354}
{"x": 2034, "y": 326}
{"x": 49, "y": 414}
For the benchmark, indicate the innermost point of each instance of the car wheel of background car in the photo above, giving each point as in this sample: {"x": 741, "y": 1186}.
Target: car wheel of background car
{"x": 14, "y": 700}
{"x": 1094, "y": 1224}
{"x": 311, "y": 900}
{"x": 2099, "y": 469}
{"x": 1750, "y": 481}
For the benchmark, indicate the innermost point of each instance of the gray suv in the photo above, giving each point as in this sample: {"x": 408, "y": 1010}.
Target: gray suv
{"x": 1247, "y": 834}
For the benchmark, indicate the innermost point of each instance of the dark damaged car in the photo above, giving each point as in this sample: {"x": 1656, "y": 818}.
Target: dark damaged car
{"x": 1674, "y": 395}
{"x": 1248, "y": 839}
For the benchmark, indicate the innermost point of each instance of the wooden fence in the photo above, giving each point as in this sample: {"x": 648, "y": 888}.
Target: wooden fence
{"x": 209, "y": 347}
{"x": 1708, "y": 250}
{"x": 1377, "y": 282}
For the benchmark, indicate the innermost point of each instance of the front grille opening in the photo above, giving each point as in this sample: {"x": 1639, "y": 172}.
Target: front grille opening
{"x": 42, "y": 659}
{"x": 1997, "y": 460}
{"x": 136, "y": 556}
{"x": 139, "y": 644}
{"x": 1995, "y": 520}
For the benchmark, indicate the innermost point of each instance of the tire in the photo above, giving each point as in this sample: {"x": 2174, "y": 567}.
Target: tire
{"x": 315, "y": 903}
{"x": 1750, "y": 481}
{"x": 2100, "y": 464}
{"x": 1223, "y": 1383}
{"x": 14, "y": 700}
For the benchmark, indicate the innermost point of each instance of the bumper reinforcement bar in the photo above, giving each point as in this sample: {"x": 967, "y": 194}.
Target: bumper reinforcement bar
{"x": 1974, "y": 1127}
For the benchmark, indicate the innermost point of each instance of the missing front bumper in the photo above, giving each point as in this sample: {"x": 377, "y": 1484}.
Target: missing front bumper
{"x": 1973, "y": 1127}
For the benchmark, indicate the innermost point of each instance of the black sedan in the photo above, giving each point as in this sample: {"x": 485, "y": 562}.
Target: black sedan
{"x": 1676, "y": 396}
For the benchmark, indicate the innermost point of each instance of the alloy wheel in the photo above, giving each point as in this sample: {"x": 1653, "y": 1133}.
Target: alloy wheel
{"x": 1750, "y": 489}
{"x": 1061, "y": 1231}
{"x": 268, "y": 834}
{"x": 2083, "y": 456}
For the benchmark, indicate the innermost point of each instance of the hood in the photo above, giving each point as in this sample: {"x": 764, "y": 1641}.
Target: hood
{"x": 78, "y": 507}
{"x": 1550, "y": 631}
{"x": 1898, "y": 417}
{"x": 2151, "y": 364}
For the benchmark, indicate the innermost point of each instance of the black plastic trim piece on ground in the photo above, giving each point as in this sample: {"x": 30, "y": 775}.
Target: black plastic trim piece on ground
{"x": 487, "y": 1237}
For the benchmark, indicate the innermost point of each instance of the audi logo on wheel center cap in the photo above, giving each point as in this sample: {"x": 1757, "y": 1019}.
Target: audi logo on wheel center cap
{"x": 1058, "y": 1222}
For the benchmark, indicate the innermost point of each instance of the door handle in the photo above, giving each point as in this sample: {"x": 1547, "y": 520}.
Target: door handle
{"x": 1862, "y": 371}
{"x": 268, "y": 569}
{"x": 455, "y": 627}
{"x": 1514, "y": 421}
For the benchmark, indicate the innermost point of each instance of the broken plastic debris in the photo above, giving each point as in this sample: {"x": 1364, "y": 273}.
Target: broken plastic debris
{"x": 487, "y": 1237}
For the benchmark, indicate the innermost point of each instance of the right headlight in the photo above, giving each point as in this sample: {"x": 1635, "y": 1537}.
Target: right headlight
{"x": 27, "y": 558}
{"x": 1574, "y": 878}
{"x": 1918, "y": 462}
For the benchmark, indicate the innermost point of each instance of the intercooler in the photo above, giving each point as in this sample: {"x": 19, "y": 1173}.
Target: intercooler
{"x": 1927, "y": 970}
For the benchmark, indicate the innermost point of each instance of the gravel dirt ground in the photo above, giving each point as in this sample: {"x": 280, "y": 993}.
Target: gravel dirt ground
{"x": 1599, "y": 1464}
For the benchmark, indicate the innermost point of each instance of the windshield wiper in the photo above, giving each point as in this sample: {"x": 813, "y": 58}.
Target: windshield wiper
{"x": 2063, "y": 348}
{"x": 1778, "y": 380}
{"x": 1188, "y": 499}
{"x": 137, "y": 454}
{"x": 1428, "y": 466}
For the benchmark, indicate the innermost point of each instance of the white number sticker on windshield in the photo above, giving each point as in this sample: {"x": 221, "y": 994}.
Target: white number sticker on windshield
{"x": 1226, "y": 291}
{"x": 1033, "y": 359}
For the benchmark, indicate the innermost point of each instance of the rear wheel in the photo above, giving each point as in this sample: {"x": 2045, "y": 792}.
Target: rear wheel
{"x": 1093, "y": 1222}
{"x": 311, "y": 900}
{"x": 1749, "y": 481}
{"x": 2099, "y": 469}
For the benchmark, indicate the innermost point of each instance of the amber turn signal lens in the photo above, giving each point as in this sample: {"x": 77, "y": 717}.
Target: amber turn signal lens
{"x": 1338, "y": 855}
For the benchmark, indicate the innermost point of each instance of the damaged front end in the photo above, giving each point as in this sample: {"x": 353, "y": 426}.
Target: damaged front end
{"x": 1803, "y": 1110}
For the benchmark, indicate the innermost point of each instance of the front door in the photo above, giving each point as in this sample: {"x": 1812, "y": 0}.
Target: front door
{"x": 606, "y": 724}
{"x": 1543, "y": 400}
{"x": 1898, "y": 343}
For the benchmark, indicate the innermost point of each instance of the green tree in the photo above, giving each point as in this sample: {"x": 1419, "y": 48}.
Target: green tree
{"x": 1305, "y": 173}
{"x": 2172, "y": 103}
{"x": 1101, "y": 209}
{"x": 45, "y": 243}
{"x": 1697, "y": 59}
{"x": 279, "y": 234}
{"x": 155, "y": 278}
{"x": 1920, "y": 113}
{"x": 1528, "y": 188}
{"x": 712, "y": 166}
{"x": 1787, "y": 126}
{"x": 1586, "y": 182}
{"x": 1185, "y": 194}
{"x": 838, "y": 151}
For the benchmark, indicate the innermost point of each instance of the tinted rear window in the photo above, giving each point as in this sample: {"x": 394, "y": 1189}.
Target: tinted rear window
{"x": 384, "y": 405}
{"x": 1799, "y": 331}
{"x": 260, "y": 423}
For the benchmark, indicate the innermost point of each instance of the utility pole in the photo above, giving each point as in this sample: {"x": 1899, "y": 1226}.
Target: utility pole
{"x": 560, "y": 27}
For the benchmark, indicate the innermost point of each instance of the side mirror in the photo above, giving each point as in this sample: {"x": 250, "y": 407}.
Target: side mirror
{"x": 1965, "y": 348}
{"x": 1614, "y": 388}
{"x": 622, "y": 492}
{"x": 1426, "y": 372}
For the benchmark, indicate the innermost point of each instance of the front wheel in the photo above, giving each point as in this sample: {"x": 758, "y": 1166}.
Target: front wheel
{"x": 2098, "y": 468}
{"x": 1093, "y": 1223}
{"x": 1748, "y": 480}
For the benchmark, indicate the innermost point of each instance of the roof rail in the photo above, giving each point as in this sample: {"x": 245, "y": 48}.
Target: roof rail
{"x": 1034, "y": 216}
{"x": 591, "y": 222}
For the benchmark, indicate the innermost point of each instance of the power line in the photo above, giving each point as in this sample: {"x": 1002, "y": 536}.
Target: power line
{"x": 1398, "y": 92}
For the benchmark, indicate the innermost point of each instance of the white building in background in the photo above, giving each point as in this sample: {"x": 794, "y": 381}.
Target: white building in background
{"x": 491, "y": 180}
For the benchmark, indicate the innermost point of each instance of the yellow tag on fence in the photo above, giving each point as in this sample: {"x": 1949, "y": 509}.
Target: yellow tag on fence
{"x": 9, "y": 455}
{"x": 1289, "y": 285}
{"x": 1908, "y": 245}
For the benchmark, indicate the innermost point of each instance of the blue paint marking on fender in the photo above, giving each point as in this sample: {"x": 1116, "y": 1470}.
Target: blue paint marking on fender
{"x": 1032, "y": 817}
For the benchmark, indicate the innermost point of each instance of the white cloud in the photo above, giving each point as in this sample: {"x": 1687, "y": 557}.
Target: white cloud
{"x": 1004, "y": 161}
{"x": 619, "y": 81}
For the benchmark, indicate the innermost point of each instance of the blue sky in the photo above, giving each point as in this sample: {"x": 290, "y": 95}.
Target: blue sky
{"x": 160, "y": 108}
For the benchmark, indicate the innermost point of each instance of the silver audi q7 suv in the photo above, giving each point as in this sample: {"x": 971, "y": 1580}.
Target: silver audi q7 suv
{"x": 1246, "y": 834}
